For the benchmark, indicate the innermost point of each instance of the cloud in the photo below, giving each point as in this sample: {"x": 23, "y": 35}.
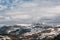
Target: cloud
{"x": 29, "y": 11}
{"x": 20, "y": 17}
{"x": 37, "y": 13}
{"x": 2, "y": 7}
{"x": 28, "y": 5}
{"x": 1, "y": 17}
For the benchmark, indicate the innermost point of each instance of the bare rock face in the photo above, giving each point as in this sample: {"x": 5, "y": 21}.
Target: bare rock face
{"x": 49, "y": 34}
{"x": 57, "y": 37}
{"x": 24, "y": 33}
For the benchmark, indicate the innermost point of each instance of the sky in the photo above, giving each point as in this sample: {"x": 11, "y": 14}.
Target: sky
{"x": 29, "y": 11}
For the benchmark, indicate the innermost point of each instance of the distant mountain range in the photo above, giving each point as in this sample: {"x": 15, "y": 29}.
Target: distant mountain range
{"x": 33, "y": 29}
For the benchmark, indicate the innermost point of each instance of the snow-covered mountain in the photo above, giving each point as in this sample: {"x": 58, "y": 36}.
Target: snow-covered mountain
{"x": 35, "y": 31}
{"x": 49, "y": 34}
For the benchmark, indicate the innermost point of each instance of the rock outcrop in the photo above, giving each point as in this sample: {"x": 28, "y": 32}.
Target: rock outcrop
{"x": 49, "y": 34}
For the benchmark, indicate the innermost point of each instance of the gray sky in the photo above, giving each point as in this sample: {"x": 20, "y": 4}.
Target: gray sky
{"x": 28, "y": 11}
